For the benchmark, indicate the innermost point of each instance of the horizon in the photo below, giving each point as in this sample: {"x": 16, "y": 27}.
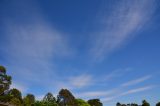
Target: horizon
{"x": 106, "y": 49}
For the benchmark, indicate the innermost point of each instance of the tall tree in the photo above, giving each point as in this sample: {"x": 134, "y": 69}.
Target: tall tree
{"x": 95, "y": 102}
{"x": 29, "y": 100}
{"x": 15, "y": 93}
{"x": 145, "y": 103}
{"x": 49, "y": 100}
{"x": 65, "y": 98}
{"x": 49, "y": 97}
{"x": 5, "y": 80}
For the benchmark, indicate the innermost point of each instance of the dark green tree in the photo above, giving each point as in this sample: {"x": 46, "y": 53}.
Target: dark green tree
{"x": 65, "y": 98}
{"x": 38, "y": 103}
{"x": 49, "y": 100}
{"x": 123, "y": 105}
{"x": 158, "y": 104}
{"x": 15, "y": 93}
{"x": 95, "y": 102}
{"x": 29, "y": 100}
{"x": 5, "y": 80}
{"x": 49, "y": 97}
{"x": 15, "y": 102}
{"x": 118, "y": 104}
{"x": 133, "y": 104}
{"x": 145, "y": 103}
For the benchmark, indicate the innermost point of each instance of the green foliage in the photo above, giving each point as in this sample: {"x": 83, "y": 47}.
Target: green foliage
{"x": 158, "y": 104}
{"x": 15, "y": 101}
{"x": 29, "y": 100}
{"x": 5, "y": 98}
{"x": 15, "y": 93}
{"x": 42, "y": 103}
{"x": 3, "y": 69}
{"x": 38, "y": 103}
{"x": 132, "y": 104}
{"x": 49, "y": 100}
{"x": 145, "y": 103}
{"x": 95, "y": 102}
{"x": 5, "y": 80}
{"x": 81, "y": 102}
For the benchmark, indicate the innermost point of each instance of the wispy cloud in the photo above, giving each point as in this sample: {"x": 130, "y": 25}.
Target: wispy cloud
{"x": 137, "y": 90}
{"x": 132, "y": 91}
{"x": 95, "y": 94}
{"x": 120, "y": 25}
{"x": 31, "y": 48}
{"x": 117, "y": 73}
{"x": 81, "y": 81}
{"x": 136, "y": 81}
{"x": 35, "y": 41}
{"x": 75, "y": 82}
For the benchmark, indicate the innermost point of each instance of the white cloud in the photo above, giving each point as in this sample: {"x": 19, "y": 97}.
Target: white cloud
{"x": 95, "y": 94}
{"x": 120, "y": 25}
{"x": 32, "y": 44}
{"x": 136, "y": 81}
{"x": 81, "y": 81}
{"x": 35, "y": 41}
{"x": 75, "y": 82}
{"x": 137, "y": 90}
{"x": 31, "y": 49}
{"x": 132, "y": 91}
{"x": 117, "y": 73}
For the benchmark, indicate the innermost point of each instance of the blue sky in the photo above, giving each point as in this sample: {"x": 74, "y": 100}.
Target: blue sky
{"x": 107, "y": 49}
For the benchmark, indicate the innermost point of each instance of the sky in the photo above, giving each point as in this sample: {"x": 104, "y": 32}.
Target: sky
{"x": 106, "y": 49}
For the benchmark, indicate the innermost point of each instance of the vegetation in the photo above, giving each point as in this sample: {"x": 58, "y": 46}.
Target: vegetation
{"x": 95, "y": 102}
{"x": 64, "y": 97}
{"x": 81, "y": 102}
{"x": 144, "y": 103}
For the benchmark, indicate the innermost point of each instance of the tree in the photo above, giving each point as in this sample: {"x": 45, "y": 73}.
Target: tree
{"x": 15, "y": 93}
{"x": 29, "y": 100}
{"x": 133, "y": 104}
{"x": 118, "y": 104}
{"x": 49, "y": 100}
{"x": 15, "y": 101}
{"x": 5, "y": 80}
{"x": 158, "y": 104}
{"x": 145, "y": 103}
{"x": 123, "y": 105}
{"x": 81, "y": 102}
{"x": 49, "y": 97}
{"x": 95, "y": 102}
{"x": 38, "y": 103}
{"x": 65, "y": 98}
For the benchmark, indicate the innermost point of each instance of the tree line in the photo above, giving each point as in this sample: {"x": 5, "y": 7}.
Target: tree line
{"x": 14, "y": 96}
{"x": 64, "y": 98}
{"x": 144, "y": 103}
